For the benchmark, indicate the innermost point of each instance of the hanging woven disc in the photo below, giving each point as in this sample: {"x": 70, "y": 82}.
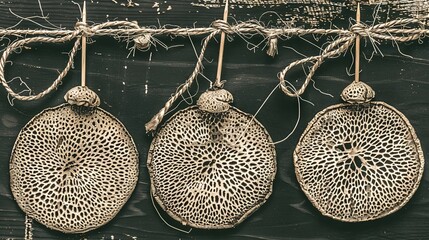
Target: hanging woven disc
{"x": 211, "y": 165}
{"x": 360, "y": 160}
{"x": 73, "y": 166}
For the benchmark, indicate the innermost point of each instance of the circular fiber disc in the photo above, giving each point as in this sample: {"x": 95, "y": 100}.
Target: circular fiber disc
{"x": 211, "y": 169}
{"x": 359, "y": 162}
{"x": 73, "y": 171}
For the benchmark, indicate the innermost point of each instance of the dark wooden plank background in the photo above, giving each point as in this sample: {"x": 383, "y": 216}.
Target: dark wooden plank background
{"x": 135, "y": 88}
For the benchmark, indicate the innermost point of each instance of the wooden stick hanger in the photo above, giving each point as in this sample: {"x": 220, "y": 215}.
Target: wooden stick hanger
{"x": 357, "y": 46}
{"x": 83, "y": 63}
{"x": 218, "y": 82}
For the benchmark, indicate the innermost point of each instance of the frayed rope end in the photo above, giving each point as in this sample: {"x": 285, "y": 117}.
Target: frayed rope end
{"x": 151, "y": 125}
{"x": 272, "y": 47}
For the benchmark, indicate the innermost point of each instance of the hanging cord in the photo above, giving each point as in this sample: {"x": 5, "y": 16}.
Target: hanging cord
{"x": 154, "y": 122}
{"x": 403, "y": 30}
{"x": 21, "y": 43}
{"x": 218, "y": 83}
{"x": 393, "y": 30}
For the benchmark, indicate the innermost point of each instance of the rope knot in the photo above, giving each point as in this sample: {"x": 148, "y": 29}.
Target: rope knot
{"x": 359, "y": 29}
{"x": 143, "y": 42}
{"x": 223, "y": 26}
{"x": 84, "y": 29}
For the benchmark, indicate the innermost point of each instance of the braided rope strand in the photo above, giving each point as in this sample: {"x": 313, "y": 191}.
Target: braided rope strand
{"x": 401, "y": 30}
{"x": 154, "y": 122}
{"x": 19, "y": 44}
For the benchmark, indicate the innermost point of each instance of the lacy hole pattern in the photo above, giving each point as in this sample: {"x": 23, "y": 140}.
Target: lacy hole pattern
{"x": 211, "y": 170}
{"x": 73, "y": 172}
{"x": 359, "y": 162}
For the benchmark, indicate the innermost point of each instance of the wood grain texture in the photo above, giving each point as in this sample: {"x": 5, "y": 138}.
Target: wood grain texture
{"x": 135, "y": 88}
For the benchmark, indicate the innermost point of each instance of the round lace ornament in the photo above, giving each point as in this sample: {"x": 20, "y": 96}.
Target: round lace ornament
{"x": 209, "y": 168}
{"x": 73, "y": 166}
{"x": 359, "y": 161}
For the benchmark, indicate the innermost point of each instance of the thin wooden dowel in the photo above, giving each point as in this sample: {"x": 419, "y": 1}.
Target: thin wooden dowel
{"x": 83, "y": 71}
{"x": 218, "y": 82}
{"x": 357, "y": 47}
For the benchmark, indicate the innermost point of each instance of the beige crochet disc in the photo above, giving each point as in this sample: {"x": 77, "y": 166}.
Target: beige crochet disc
{"x": 359, "y": 161}
{"x": 211, "y": 165}
{"x": 73, "y": 166}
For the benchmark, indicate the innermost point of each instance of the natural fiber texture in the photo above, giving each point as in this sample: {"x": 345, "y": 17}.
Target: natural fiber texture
{"x": 358, "y": 92}
{"x": 402, "y": 30}
{"x": 359, "y": 162}
{"x": 82, "y": 96}
{"x": 215, "y": 101}
{"x": 72, "y": 171}
{"x": 21, "y": 43}
{"x": 395, "y": 30}
{"x": 156, "y": 120}
{"x": 334, "y": 49}
{"x": 211, "y": 170}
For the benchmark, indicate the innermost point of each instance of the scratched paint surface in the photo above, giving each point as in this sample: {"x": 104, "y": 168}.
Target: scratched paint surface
{"x": 316, "y": 12}
{"x": 294, "y": 12}
{"x": 135, "y": 88}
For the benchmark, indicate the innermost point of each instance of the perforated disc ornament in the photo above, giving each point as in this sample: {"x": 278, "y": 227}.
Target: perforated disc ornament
{"x": 73, "y": 166}
{"x": 211, "y": 165}
{"x": 360, "y": 160}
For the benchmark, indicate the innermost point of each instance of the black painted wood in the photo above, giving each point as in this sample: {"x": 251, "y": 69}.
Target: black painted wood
{"x": 121, "y": 83}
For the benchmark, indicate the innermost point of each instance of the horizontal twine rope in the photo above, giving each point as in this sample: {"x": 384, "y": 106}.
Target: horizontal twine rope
{"x": 402, "y": 30}
{"x": 394, "y": 30}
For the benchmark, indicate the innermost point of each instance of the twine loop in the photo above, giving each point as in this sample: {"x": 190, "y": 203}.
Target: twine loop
{"x": 23, "y": 42}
